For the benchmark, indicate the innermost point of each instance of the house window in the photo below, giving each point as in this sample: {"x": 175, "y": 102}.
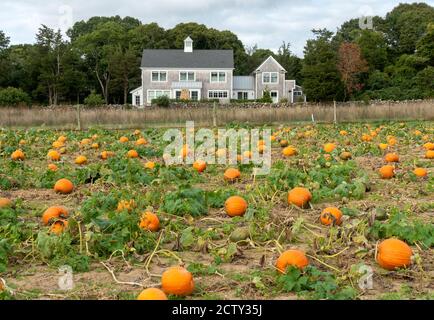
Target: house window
{"x": 218, "y": 94}
{"x": 154, "y": 94}
{"x": 187, "y": 76}
{"x": 137, "y": 100}
{"x": 270, "y": 77}
{"x": 297, "y": 93}
{"x": 194, "y": 95}
{"x": 243, "y": 95}
{"x": 218, "y": 76}
{"x": 159, "y": 76}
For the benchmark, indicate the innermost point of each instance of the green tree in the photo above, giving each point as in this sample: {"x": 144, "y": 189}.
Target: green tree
{"x": 373, "y": 47}
{"x": 13, "y": 97}
{"x": 425, "y": 46}
{"x": 321, "y": 79}
{"x": 290, "y": 62}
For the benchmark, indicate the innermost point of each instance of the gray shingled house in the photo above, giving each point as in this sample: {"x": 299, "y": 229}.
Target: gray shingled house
{"x": 208, "y": 74}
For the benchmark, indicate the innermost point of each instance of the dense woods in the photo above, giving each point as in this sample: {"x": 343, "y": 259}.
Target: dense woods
{"x": 101, "y": 56}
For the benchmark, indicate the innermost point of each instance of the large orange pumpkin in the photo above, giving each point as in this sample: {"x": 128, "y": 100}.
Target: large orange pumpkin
{"x": 300, "y": 197}
{"x": 141, "y": 142}
{"x": 199, "y": 165}
{"x": 294, "y": 258}
{"x": 80, "y": 160}
{"x": 429, "y": 154}
{"x": 53, "y": 155}
{"x": 235, "y": 206}
{"x": 329, "y": 147}
{"x": 387, "y": 172}
{"x": 132, "y": 154}
{"x": 18, "y": 155}
{"x": 232, "y": 174}
{"x": 123, "y": 139}
{"x": 64, "y": 186}
{"x": 393, "y": 253}
{"x": 289, "y": 151}
{"x": 54, "y": 213}
{"x": 331, "y": 215}
{"x": 59, "y": 226}
{"x": 152, "y": 294}
{"x": 177, "y": 281}
{"x": 429, "y": 146}
{"x": 420, "y": 172}
{"x": 150, "y": 222}
{"x": 391, "y": 157}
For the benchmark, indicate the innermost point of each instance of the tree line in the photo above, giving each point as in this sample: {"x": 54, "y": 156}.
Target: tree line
{"x": 100, "y": 57}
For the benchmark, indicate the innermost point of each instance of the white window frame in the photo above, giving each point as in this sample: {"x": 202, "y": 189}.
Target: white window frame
{"x": 269, "y": 74}
{"x": 218, "y": 77}
{"x": 138, "y": 103}
{"x": 187, "y": 72}
{"x": 155, "y": 96}
{"x": 298, "y": 93}
{"x": 218, "y": 93}
{"x": 159, "y": 75}
{"x": 244, "y": 94}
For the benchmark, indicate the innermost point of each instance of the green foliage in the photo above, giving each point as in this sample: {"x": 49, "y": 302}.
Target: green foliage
{"x": 186, "y": 200}
{"x": 313, "y": 284}
{"x": 13, "y": 97}
{"x": 266, "y": 97}
{"x": 400, "y": 225}
{"x": 94, "y": 100}
{"x": 162, "y": 101}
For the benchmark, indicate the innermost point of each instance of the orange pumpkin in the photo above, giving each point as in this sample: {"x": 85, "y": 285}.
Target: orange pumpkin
{"x": 300, "y": 197}
{"x": 106, "y": 154}
{"x": 18, "y": 155}
{"x": 235, "y": 206}
{"x": 123, "y": 139}
{"x": 64, "y": 186}
{"x": 95, "y": 146}
{"x": 152, "y": 294}
{"x": 126, "y": 205}
{"x": 393, "y": 253}
{"x": 132, "y": 154}
{"x": 81, "y": 160}
{"x": 53, "y": 155}
{"x": 366, "y": 137}
{"x": 54, "y": 213}
{"x": 150, "y": 165}
{"x": 343, "y": 132}
{"x": 85, "y": 142}
{"x": 5, "y": 202}
{"x": 62, "y": 139}
{"x": 383, "y": 146}
{"x": 429, "y": 154}
{"x": 232, "y": 174}
{"x": 387, "y": 172}
{"x": 199, "y": 165}
{"x": 391, "y": 157}
{"x": 177, "y": 281}
{"x": 284, "y": 143}
{"x": 58, "y": 144}
{"x": 329, "y": 147}
{"x": 289, "y": 151}
{"x": 420, "y": 172}
{"x": 137, "y": 132}
{"x": 429, "y": 146}
{"x": 331, "y": 215}
{"x": 294, "y": 258}
{"x": 150, "y": 222}
{"x": 59, "y": 226}
{"x": 52, "y": 167}
{"x": 141, "y": 142}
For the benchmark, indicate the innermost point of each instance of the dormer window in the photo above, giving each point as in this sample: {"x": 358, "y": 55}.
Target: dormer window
{"x": 188, "y": 45}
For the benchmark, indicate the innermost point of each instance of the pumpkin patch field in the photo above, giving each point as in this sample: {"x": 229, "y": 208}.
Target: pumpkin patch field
{"x": 346, "y": 212}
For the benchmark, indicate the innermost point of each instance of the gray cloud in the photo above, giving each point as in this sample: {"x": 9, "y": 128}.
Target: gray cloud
{"x": 264, "y": 22}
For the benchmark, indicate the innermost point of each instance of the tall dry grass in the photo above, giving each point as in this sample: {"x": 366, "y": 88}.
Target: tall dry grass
{"x": 66, "y": 116}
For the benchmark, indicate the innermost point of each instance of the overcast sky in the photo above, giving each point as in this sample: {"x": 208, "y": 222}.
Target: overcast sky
{"x": 263, "y": 22}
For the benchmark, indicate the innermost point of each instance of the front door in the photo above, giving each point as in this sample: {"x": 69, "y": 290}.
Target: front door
{"x": 274, "y": 96}
{"x": 186, "y": 94}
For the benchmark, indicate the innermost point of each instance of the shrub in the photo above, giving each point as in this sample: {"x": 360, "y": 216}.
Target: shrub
{"x": 94, "y": 99}
{"x": 13, "y": 97}
{"x": 162, "y": 101}
{"x": 266, "y": 98}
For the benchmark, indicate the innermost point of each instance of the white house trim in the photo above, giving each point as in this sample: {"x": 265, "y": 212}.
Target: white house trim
{"x": 227, "y": 94}
{"x": 270, "y": 73}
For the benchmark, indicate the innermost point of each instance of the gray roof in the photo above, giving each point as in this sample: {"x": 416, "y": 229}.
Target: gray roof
{"x": 163, "y": 58}
{"x": 244, "y": 83}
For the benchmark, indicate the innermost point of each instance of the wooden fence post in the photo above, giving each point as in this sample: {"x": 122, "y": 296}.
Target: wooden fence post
{"x": 335, "y": 120}
{"x": 214, "y": 115}
{"x": 78, "y": 118}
